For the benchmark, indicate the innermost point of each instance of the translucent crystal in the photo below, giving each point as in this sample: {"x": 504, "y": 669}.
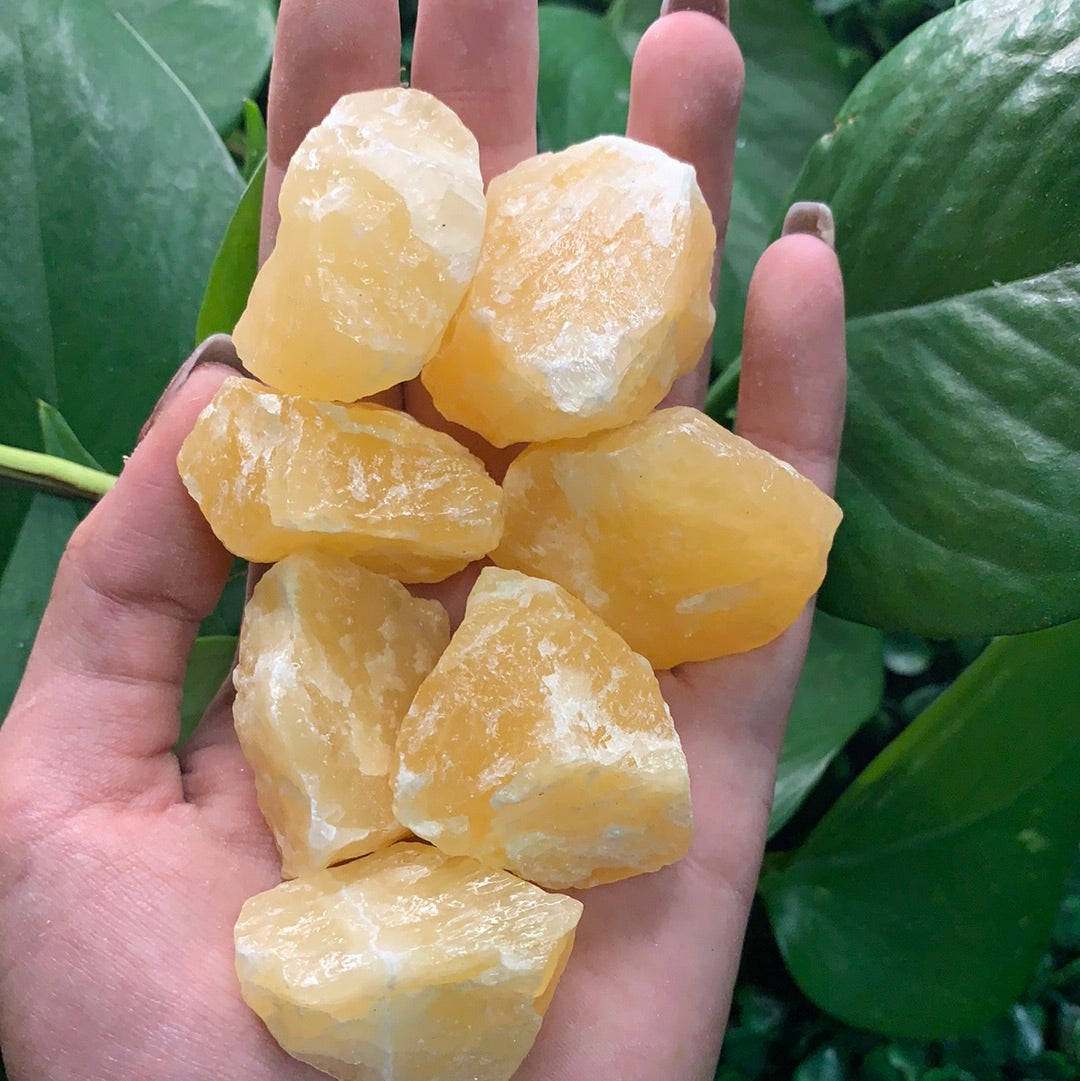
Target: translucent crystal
{"x": 330, "y": 658}
{"x": 688, "y": 540}
{"x": 591, "y": 297}
{"x": 382, "y": 213}
{"x": 541, "y": 743}
{"x": 274, "y": 473}
{"x": 406, "y": 965}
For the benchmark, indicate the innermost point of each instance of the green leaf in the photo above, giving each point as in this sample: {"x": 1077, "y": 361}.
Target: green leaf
{"x": 208, "y": 665}
{"x": 841, "y": 687}
{"x": 220, "y": 49}
{"x": 959, "y": 834}
{"x": 254, "y": 139}
{"x": 59, "y": 440}
{"x": 951, "y": 171}
{"x": 959, "y": 470}
{"x": 584, "y": 82}
{"x": 794, "y": 88}
{"x": 114, "y": 191}
{"x": 26, "y": 582}
{"x": 235, "y": 265}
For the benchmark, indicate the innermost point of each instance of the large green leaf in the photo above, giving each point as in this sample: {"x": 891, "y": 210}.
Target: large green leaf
{"x": 114, "y": 191}
{"x": 840, "y": 688}
{"x": 584, "y": 83}
{"x": 26, "y": 582}
{"x": 952, "y": 171}
{"x": 794, "y": 88}
{"x": 960, "y": 474}
{"x": 219, "y": 49}
{"x": 923, "y": 900}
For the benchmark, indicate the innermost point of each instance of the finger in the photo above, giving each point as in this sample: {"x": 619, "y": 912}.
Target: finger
{"x": 732, "y": 712}
{"x": 643, "y": 945}
{"x": 99, "y": 704}
{"x": 481, "y": 57}
{"x": 323, "y": 49}
{"x": 685, "y": 92}
{"x": 792, "y": 386}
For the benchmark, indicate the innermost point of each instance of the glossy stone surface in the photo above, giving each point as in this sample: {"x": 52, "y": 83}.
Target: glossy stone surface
{"x": 274, "y": 473}
{"x": 541, "y": 743}
{"x": 688, "y": 540}
{"x": 382, "y": 214}
{"x": 330, "y": 658}
{"x": 591, "y": 297}
{"x": 406, "y": 965}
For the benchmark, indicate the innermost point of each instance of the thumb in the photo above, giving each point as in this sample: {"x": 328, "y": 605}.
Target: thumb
{"x": 99, "y": 701}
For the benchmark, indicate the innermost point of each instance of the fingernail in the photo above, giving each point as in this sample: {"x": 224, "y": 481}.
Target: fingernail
{"x": 813, "y": 218}
{"x": 217, "y": 349}
{"x": 718, "y": 9}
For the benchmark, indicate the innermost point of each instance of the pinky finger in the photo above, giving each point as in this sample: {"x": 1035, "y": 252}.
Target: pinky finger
{"x": 792, "y": 387}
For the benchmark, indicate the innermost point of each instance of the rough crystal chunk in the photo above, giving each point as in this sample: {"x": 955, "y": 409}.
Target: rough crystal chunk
{"x": 688, "y": 540}
{"x": 541, "y": 743}
{"x": 274, "y": 474}
{"x": 591, "y": 296}
{"x": 406, "y": 965}
{"x": 382, "y": 214}
{"x": 330, "y": 658}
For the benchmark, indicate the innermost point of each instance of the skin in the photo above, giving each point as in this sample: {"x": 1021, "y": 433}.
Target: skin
{"x": 122, "y": 867}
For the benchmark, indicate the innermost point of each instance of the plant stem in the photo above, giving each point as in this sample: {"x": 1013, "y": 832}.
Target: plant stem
{"x": 57, "y": 476}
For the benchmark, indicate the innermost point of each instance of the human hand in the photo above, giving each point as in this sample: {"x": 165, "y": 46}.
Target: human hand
{"x": 123, "y": 866}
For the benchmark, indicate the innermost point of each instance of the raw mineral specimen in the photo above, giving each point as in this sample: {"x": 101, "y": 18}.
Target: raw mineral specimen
{"x": 406, "y": 965}
{"x": 382, "y": 214}
{"x": 274, "y": 473}
{"x": 592, "y": 295}
{"x": 330, "y": 658}
{"x": 540, "y": 743}
{"x": 691, "y": 542}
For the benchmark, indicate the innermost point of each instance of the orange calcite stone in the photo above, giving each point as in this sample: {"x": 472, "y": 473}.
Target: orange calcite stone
{"x": 406, "y": 965}
{"x": 330, "y": 658}
{"x": 541, "y": 743}
{"x": 382, "y": 214}
{"x": 688, "y": 540}
{"x": 591, "y": 296}
{"x": 274, "y": 474}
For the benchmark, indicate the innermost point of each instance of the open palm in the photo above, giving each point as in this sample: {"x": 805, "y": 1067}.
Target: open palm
{"x": 123, "y": 866}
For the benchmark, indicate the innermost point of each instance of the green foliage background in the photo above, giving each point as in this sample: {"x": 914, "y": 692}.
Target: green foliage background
{"x": 927, "y": 815}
